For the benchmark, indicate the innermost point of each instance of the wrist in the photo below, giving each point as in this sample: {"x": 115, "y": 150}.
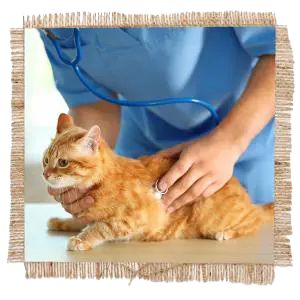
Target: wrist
{"x": 238, "y": 143}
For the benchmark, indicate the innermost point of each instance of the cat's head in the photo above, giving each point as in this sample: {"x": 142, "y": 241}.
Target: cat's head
{"x": 71, "y": 159}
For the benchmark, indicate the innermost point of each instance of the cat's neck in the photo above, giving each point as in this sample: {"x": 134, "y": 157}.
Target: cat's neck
{"x": 103, "y": 163}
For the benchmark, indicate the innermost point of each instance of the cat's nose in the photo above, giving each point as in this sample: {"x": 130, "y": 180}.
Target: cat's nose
{"x": 47, "y": 173}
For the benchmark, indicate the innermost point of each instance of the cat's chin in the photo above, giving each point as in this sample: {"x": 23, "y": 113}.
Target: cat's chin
{"x": 68, "y": 184}
{"x": 60, "y": 185}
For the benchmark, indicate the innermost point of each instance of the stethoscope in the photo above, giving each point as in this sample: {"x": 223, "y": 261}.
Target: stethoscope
{"x": 122, "y": 102}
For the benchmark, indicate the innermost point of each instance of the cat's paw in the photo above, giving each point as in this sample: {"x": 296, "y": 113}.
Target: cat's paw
{"x": 76, "y": 244}
{"x": 54, "y": 224}
{"x": 224, "y": 235}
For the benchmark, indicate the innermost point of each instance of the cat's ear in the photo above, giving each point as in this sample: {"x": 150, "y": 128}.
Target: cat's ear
{"x": 91, "y": 141}
{"x": 64, "y": 122}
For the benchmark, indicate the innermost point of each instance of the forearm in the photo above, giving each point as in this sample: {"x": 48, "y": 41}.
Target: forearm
{"x": 255, "y": 108}
{"x": 103, "y": 114}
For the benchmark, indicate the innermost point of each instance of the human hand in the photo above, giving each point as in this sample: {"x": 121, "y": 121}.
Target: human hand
{"x": 74, "y": 201}
{"x": 203, "y": 167}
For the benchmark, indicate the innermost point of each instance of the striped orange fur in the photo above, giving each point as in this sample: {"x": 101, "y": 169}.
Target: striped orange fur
{"x": 126, "y": 206}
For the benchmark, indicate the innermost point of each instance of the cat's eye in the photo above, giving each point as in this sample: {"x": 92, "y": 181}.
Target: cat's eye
{"x": 63, "y": 163}
{"x": 46, "y": 161}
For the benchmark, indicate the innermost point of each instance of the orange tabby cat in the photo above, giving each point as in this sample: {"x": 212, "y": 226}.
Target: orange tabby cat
{"x": 126, "y": 205}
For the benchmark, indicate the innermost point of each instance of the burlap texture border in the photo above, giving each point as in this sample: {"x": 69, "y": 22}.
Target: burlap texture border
{"x": 243, "y": 273}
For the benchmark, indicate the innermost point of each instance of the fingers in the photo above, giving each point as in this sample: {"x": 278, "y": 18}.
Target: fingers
{"x": 175, "y": 172}
{"x": 172, "y": 152}
{"x": 179, "y": 203}
{"x": 183, "y": 184}
{"x": 200, "y": 186}
{"x": 71, "y": 202}
{"x": 78, "y": 206}
{"x": 83, "y": 219}
{"x": 193, "y": 192}
{"x": 69, "y": 196}
{"x": 56, "y": 192}
{"x": 213, "y": 188}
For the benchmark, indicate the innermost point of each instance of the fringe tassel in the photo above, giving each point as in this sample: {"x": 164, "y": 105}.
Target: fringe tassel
{"x": 165, "y": 20}
{"x": 16, "y": 227}
{"x": 245, "y": 273}
{"x": 283, "y": 145}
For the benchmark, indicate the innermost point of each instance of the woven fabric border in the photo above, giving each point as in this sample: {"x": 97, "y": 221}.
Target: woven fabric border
{"x": 165, "y": 20}
{"x": 16, "y": 227}
{"x": 243, "y": 273}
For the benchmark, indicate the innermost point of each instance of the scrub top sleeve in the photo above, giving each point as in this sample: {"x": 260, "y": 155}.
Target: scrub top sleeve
{"x": 257, "y": 41}
{"x": 67, "y": 82}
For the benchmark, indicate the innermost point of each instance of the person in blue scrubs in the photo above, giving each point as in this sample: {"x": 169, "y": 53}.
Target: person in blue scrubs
{"x": 233, "y": 68}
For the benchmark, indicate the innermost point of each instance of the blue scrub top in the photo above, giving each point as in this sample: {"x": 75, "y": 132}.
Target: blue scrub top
{"x": 211, "y": 63}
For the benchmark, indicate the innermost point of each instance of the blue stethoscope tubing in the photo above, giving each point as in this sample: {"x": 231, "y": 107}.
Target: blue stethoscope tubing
{"x": 122, "y": 102}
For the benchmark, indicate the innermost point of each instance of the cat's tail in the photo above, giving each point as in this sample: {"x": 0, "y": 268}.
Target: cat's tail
{"x": 268, "y": 213}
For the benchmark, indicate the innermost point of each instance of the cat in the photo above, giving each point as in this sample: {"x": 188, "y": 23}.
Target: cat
{"x": 127, "y": 207}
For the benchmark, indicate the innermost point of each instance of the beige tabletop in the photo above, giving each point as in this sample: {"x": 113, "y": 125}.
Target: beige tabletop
{"x": 44, "y": 245}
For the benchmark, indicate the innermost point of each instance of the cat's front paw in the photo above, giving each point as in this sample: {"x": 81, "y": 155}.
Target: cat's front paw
{"x": 223, "y": 236}
{"x": 76, "y": 244}
{"x": 54, "y": 224}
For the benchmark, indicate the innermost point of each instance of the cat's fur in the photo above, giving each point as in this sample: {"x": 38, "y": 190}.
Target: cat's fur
{"x": 126, "y": 205}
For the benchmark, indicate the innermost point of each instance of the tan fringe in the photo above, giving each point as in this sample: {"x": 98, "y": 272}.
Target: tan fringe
{"x": 243, "y": 273}
{"x": 16, "y": 227}
{"x": 283, "y": 185}
{"x": 174, "y": 20}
